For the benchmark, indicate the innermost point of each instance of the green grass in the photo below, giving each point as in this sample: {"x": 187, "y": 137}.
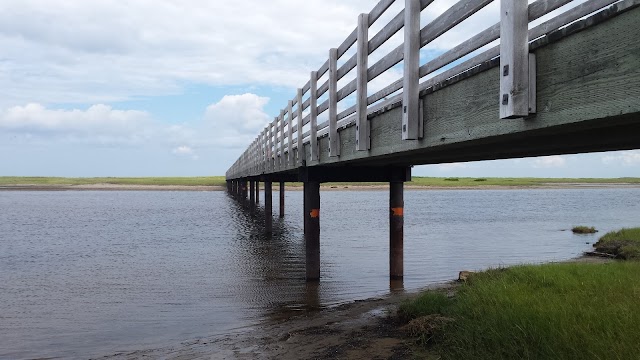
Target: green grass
{"x": 554, "y": 311}
{"x": 584, "y": 230}
{"x": 624, "y": 243}
{"x": 186, "y": 181}
{"x": 220, "y": 180}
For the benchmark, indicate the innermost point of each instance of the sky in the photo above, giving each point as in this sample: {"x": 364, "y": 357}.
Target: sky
{"x": 181, "y": 87}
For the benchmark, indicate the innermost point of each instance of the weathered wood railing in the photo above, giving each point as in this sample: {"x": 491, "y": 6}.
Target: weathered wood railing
{"x": 279, "y": 146}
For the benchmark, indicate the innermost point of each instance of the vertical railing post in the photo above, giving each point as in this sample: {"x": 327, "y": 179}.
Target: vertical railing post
{"x": 411, "y": 94}
{"x": 363, "y": 137}
{"x": 300, "y": 139}
{"x": 290, "y": 135}
{"x": 313, "y": 116}
{"x": 270, "y": 151}
{"x": 514, "y": 59}
{"x": 334, "y": 139}
{"x": 281, "y": 161}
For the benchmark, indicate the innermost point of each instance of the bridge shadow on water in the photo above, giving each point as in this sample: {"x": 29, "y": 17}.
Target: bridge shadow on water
{"x": 271, "y": 267}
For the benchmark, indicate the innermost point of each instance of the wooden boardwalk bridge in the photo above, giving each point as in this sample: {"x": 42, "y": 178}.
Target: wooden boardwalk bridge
{"x": 566, "y": 84}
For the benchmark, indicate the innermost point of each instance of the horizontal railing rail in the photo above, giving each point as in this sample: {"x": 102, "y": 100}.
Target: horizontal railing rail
{"x": 280, "y": 145}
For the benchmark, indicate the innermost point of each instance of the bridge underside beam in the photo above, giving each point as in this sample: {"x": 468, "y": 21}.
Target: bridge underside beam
{"x": 323, "y": 174}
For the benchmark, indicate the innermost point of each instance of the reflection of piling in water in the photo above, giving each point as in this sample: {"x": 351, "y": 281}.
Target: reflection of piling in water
{"x": 252, "y": 196}
{"x": 268, "y": 208}
{"x": 281, "y": 199}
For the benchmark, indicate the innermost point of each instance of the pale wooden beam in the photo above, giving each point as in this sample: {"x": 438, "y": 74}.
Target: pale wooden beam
{"x": 290, "y": 134}
{"x": 410, "y": 96}
{"x": 334, "y": 140}
{"x": 313, "y": 115}
{"x": 299, "y": 116}
{"x": 514, "y": 59}
{"x": 363, "y": 136}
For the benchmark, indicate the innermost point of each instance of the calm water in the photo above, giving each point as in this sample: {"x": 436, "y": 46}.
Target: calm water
{"x": 93, "y": 273}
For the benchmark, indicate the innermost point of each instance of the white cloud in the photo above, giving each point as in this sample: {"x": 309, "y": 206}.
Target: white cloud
{"x": 556, "y": 161}
{"x": 230, "y": 123}
{"x": 236, "y": 119}
{"x": 185, "y": 151}
{"x": 99, "y": 123}
{"x": 625, "y": 158}
{"x": 57, "y": 51}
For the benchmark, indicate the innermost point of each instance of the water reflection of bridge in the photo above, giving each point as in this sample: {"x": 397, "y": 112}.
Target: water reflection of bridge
{"x": 569, "y": 84}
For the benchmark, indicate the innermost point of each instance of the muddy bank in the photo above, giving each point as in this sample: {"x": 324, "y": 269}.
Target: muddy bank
{"x": 359, "y": 330}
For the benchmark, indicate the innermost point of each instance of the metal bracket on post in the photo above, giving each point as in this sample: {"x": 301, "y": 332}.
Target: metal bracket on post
{"x": 515, "y": 67}
{"x": 313, "y": 116}
{"x": 299, "y": 134}
{"x": 334, "y": 137}
{"x": 411, "y": 82}
{"x": 363, "y": 131}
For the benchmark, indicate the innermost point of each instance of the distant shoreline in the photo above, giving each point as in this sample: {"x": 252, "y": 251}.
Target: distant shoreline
{"x": 326, "y": 187}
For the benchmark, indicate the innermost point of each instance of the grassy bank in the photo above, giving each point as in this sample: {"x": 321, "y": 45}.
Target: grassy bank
{"x": 220, "y": 180}
{"x": 624, "y": 244}
{"x": 555, "y": 311}
{"x": 183, "y": 181}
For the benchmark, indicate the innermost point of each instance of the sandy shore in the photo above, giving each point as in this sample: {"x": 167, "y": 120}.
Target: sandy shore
{"x": 326, "y": 187}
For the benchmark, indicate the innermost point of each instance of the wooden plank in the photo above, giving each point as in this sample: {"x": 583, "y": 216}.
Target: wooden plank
{"x": 323, "y": 69}
{"x": 348, "y": 89}
{"x": 347, "y": 66}
{"x": 453, "y": 16}
{"x": 323, "y": 88}
{"x": 299, "y": 134}
{"x": 387, "y": 32}
{"x": 347, "y": 43}
{"x": 334, "y": 140}
{"x": 290, "y": 134}
{"x": 363, "y": 136}
{"x": 378, "y": 10}
{"x": 350, "y": 110}
{"x": 410, "y": 98}
{"x": 313, "y": 115}
{"x": 514, "y": 59}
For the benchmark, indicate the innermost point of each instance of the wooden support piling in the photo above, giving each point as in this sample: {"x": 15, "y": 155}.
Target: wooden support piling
{"x": 312, "y": 233}
{"x": 396, "y": 230}
{"x": 268, "y": 211}
{"x": 281, "y": 199}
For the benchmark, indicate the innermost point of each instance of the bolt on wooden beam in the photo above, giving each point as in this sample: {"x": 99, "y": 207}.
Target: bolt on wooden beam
{"x": 514, "y": 59}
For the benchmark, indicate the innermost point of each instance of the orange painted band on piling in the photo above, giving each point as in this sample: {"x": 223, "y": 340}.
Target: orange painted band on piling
{"x": 397, "y": 211}
{"x": 315, "y": 213}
